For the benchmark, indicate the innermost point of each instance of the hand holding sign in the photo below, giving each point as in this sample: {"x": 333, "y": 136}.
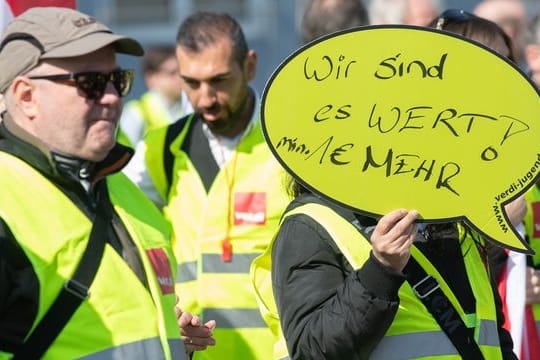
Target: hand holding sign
{"x": 391, "y": 117}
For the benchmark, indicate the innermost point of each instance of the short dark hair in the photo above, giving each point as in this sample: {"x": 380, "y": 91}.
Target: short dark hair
{"x": 155, "y": 56}
{"x": 476, "y": 28}
{"x": 323, "y": 17}
{"x": 203, "y": 28}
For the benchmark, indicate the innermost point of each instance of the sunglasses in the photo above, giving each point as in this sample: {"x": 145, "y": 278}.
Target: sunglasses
{"x": 93, "y": 83}
{"x": 453, "y": 15}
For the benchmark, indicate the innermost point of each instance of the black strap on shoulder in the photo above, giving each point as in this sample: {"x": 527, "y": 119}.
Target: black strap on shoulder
{"x": 75, "y": 290}
{"x": 168, "y": 157}
{"x": 427, "y": 289}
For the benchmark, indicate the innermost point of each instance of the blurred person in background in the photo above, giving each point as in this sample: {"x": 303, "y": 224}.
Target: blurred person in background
{"x": 532, "y": 49}
{"x": 532, "y": 219}
{"x": 507, "y": 268}
{"x": 162, "y": 104}
{"x": 511, "y": 16}
{"x": 408, "y": 12}
{"x": 323, "y": 17}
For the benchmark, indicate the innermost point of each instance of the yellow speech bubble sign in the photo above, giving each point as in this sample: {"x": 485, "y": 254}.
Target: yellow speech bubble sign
{"x": 386, "y": 117}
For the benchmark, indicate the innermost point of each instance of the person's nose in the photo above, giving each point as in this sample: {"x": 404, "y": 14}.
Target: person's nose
{"x": 207, "y": 96}
{"x": 110, "y": 95}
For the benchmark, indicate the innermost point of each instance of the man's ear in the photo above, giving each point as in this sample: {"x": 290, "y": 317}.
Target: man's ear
{"x": 24, "y": 97}
{"x": 250, "y": 64}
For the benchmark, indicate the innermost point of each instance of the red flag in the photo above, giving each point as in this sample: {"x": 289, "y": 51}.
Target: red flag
{"x": 19, "y": 6}
{"x": 530, "y": 349}
{"x": 11, "y": 8}
{"x": 518, "y": 315}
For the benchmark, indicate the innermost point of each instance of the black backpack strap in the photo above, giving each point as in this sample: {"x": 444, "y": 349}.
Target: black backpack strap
{"x": 173, "y": 131}
{"x": 427, "y": 289}
{"x": 75, "y": 290}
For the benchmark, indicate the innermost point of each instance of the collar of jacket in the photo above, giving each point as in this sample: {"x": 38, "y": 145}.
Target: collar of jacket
{"x": 55, "y": 165}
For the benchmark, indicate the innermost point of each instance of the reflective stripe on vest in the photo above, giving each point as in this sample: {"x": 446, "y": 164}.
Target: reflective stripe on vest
{"x": 144, "y": 349}
{"x": 429, "y": 343}
{"x": 235, "y": 318}
{"x": 186, "y": 272}
{"x": 240, "y": 263}
{"x": 212, "y": 263}
{"x": 111, "y": 316}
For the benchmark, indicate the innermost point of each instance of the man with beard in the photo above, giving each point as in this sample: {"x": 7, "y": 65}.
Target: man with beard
{"x": 220, "y": 185}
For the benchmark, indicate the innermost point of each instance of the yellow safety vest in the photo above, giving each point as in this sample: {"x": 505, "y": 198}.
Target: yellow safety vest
{"x": 121, "y": 318}
{"x": 244, "y": 204}
{"x": 123, "y": 139}
{"x": 152, "y": 112}
{"x": 414, "y": 333}
{"x": 532, "y": 228}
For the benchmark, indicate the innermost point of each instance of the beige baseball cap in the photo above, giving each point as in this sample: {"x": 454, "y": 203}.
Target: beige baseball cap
{"x": 54, "y": 32}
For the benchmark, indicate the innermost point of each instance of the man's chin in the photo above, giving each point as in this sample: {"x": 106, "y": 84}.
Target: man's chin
{"x": 214, "y": 124}
{"x": 102, "y": 148}
{"x": 211, "y": 118}
{"x": 99, "y": 155}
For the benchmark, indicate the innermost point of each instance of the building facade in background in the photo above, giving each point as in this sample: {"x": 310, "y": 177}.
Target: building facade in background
{"x": 271, "y": 26}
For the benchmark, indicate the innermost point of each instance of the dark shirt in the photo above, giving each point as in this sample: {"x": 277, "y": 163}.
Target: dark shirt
{"x": 350, "y": 311}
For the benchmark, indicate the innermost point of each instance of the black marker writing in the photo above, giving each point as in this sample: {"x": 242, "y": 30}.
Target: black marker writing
{"x": 331, "y": 112}
{"x": 516, "y": 126}
{"x": 412, "y": 164}
{"x": 449, "y": 119}
{"x": 394, "y": 66}
{"x": 335, "y": 155}
{"x": 325, "y": 67}
{"x": 292, "y": 145}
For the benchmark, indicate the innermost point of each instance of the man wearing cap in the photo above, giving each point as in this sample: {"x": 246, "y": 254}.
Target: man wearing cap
{"x": 85, "y": 264}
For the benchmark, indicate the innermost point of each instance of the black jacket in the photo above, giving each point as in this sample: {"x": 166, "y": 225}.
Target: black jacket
{"x": 338, "y": 313}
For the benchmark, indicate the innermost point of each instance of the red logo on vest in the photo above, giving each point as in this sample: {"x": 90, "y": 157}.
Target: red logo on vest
{"x": 250, "y": 208}
{"x": 536, "y": 218}
{"x": 162, "y": 268}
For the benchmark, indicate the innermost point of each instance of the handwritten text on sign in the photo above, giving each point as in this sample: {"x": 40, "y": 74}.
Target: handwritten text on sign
{"x": 391, "y": 117}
